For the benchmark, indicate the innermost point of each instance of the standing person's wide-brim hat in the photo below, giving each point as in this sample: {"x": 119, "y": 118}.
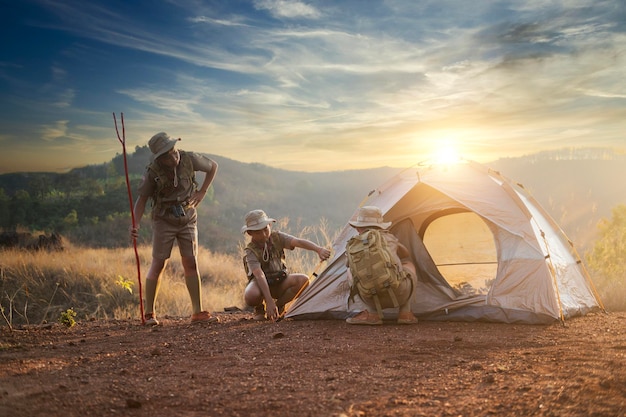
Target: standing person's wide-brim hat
{"x": 256, "y": 220}
{"x": 370, "y": 216}
{"x": 161, "y": 143}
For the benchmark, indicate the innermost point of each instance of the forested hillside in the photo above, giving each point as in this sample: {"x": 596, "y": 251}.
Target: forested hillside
{"x": 90, "y": 205}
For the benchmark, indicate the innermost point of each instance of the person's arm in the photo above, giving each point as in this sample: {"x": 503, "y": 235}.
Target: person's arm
{"x": 198, "y": 196}
{"x": 322, "y": 252}
{"x": 402, "y": 251}
{"x": 139, "y": 209}
{"x": 270, "y": 305}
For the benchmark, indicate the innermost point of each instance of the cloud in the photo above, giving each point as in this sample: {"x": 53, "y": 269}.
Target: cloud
{"x": 603, "y": 94}
{"x": 332, "y": 84}
{"x": 65, "y": 98}
{"x": 56, "y": 131}
{"x": 171, "y": 101}
{"x": 288, "y": 9}
{"x": 217, "y": 22}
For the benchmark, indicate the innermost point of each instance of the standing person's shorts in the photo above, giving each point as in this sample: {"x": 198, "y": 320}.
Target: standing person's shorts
{"x": 184, "y": 231}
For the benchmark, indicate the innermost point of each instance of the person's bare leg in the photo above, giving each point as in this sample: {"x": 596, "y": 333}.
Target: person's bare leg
{"x": 153, "y": 281}
{"x": 290, "y": 288}
{"x": 193, "y": 283}
{"x": 253, "y": 297}
{"x": 405, "y": 315}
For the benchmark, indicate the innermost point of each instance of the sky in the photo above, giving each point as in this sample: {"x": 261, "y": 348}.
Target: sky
{"x": 310, "y": 85}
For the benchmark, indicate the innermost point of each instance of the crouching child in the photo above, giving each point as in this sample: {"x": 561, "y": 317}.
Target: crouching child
{"x": 270, "y": 284}
{"x": 379, "y": 269}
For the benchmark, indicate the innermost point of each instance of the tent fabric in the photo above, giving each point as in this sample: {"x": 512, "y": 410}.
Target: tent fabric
{"x": 539, "y": 277}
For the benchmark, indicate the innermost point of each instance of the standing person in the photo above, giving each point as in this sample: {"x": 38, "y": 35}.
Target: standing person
{"x": 399, "y": 271}
{"x": 270, "y": 284}
{"x": 170, "y": 182}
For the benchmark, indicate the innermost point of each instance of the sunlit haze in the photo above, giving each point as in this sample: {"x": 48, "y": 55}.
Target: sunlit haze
{"x": 446, "y": 153}
{"x": 310, "y": 85}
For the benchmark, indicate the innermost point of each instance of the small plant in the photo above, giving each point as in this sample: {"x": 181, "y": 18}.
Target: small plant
{"x": 124, "y": 283}
{"x": 67, "y": 318}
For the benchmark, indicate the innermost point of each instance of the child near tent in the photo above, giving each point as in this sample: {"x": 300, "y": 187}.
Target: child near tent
{"x": 371, "y": 217}
{"x": 270, "y": 285}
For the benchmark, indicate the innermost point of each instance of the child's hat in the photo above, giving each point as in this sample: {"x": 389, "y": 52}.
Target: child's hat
{"x": 256, "y": 220}
{"x": 369, "y": 216}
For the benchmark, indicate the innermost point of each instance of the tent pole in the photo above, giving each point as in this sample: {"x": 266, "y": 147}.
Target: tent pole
{"x": 548, "y": 258}
{"x": 306, "y": 284}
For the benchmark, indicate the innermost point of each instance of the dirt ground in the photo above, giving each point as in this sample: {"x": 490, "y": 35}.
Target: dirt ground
{"x": 315, "y": 368}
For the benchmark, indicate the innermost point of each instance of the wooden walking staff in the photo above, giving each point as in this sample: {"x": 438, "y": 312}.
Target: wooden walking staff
{"x": 122, "y": 140}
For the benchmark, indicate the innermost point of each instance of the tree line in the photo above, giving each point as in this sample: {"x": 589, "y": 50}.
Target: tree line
{"x": 90, "y": 206}
{"x": 80, "y": 203}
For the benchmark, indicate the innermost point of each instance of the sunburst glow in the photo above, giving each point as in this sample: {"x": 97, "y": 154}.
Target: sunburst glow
{"x": 446, "y": 154}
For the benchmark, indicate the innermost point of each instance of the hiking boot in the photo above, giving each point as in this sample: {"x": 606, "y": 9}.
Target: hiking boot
{"x": 366, "y": 318}
{"x": 406, "y": 317}
{"x": 259, "y": 313}
{"x": 150, "y": 320}
{"x": 203, "y": 317}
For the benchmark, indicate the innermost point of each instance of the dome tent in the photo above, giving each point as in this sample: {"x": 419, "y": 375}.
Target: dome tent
{"x": 484, "y": 250}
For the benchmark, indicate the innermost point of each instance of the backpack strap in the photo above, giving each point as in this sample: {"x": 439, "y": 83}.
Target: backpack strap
{"x": 393, "y": 297}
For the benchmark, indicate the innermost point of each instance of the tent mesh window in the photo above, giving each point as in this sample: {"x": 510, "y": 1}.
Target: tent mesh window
{"x": 463, "y": 248}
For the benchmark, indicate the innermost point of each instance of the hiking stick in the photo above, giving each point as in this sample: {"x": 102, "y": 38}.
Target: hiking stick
{"x": 132, "y": 211}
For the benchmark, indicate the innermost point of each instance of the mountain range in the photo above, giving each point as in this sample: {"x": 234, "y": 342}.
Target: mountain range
{"x": 578, "y": 187}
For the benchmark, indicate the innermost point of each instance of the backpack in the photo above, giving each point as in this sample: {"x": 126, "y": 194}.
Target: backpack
{"x": 184, "y": 170}
{"x": 373, "y": 267}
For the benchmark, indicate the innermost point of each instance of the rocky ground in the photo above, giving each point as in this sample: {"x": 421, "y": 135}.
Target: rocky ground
{"x": 315, "y": 368}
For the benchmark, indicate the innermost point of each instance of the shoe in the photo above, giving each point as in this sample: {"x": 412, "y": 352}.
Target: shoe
{"x": 150, "y": 320}
{"x": 366, "y": 318}
{"x": 259, "y": 313}
{"x": 203, "y": 317}
{"x": 406, "y": 317}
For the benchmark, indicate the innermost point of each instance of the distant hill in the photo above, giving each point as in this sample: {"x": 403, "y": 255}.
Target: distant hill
{"x": 577, "y": 187}
{"x": 304, "y": 199}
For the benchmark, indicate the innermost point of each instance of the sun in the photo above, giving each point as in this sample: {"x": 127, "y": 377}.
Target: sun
{"x": 446, "y": 154}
